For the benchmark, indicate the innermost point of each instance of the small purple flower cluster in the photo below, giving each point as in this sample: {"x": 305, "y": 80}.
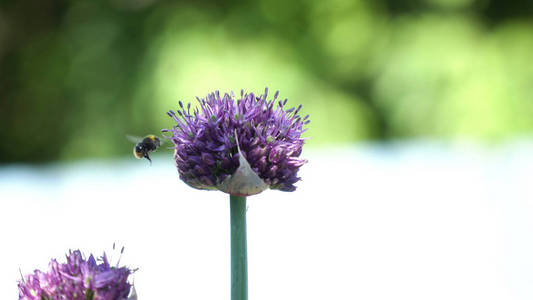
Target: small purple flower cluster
{"x": 209, "y": 141}
{"x": 78, "y": 278}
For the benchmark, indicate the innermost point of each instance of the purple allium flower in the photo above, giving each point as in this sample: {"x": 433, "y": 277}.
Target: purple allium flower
{"x": 240, "y": 147}
{"x": 78, "y": 278}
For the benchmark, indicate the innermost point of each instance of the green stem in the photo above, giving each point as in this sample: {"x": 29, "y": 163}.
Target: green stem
{"x": 239, "y": 261}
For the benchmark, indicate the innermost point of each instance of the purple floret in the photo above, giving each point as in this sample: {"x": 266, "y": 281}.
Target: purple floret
{"x": 269, "y": 138}
{"x": 78, "y": 278}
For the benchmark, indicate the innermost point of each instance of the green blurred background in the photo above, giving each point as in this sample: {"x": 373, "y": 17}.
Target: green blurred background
{"x": 77, "y": 76}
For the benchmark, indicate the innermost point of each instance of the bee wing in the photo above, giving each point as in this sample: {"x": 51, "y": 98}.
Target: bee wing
{"x": 165, "y": 141}
{"x": 134, "y": 139}
{"x": 162, "y": 141}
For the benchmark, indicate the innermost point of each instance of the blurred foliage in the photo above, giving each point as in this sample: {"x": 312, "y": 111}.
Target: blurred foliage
{"x": 77, "y": 76}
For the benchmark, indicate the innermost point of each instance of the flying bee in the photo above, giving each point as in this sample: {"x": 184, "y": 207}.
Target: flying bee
{"x": 144, "y": 146}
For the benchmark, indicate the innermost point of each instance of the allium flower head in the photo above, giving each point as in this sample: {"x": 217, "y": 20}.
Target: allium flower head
{"x": 78, "y": 278}
{"x": 239, "y": 146}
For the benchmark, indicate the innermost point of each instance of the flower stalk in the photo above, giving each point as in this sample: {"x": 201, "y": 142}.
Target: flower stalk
{"x": 239, "y": 258}
{"x": 241, "y": 146}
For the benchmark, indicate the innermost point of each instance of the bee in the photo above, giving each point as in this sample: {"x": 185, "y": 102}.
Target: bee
{"x": 144, "y": 146}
